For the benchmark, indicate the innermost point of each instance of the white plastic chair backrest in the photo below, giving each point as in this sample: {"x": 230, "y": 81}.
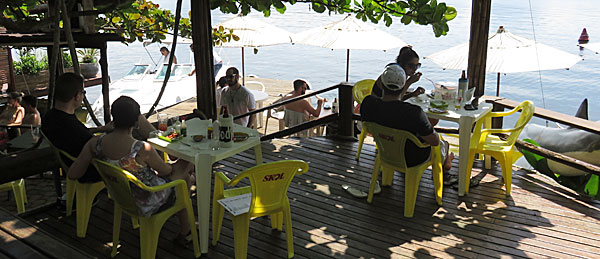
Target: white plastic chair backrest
{"x": 255, "y": 85}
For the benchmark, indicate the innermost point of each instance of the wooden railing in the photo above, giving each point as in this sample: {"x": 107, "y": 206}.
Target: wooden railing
{"x": 501, "y": 103}
{"x": 344, "y": 116}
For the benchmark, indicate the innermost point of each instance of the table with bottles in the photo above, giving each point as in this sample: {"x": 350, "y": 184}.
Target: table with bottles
{"x": 465, "y": 119}
{"x": 204, "y": 156}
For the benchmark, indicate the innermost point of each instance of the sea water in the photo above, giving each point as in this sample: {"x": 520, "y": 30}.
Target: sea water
{"x": 557, "y": 24}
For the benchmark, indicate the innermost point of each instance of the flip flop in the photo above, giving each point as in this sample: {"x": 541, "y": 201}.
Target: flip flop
{"x": 354, "y": 192}
{"x": 359, "y": 193}
{"x": 475, "y": 181}
{"x": 450, "y": 180}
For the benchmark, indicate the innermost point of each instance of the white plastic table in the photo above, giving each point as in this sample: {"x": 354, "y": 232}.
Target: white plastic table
{"x": 465, "y": 120}
{"x": 203, "y": 160}
{"x": 259, "y": 98}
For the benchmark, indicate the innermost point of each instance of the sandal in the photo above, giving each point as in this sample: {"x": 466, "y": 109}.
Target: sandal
{"x": 359, "y": 193}
{"x": 475, "y": 181}
{"x": 450, "y": 180}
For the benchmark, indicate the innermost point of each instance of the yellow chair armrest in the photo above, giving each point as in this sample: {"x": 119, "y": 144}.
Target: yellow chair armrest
{"x": 220, "y": 176}
{"x": 492, "y": 131}
{"x": 175, "y": 183}
{"x": 506, "y": 113}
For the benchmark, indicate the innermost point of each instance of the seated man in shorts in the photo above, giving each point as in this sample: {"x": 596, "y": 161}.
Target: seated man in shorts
{"x": 391, "y": 111}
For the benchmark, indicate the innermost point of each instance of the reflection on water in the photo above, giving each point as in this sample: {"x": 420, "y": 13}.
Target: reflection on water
{"x": 557, "y": 24}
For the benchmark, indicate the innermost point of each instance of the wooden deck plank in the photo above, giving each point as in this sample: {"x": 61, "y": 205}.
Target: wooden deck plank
{"x": 23, "y": 240}
{"x": 541, "y": 219}
{"x": 370, "y": 228}
{"x": 10, "y": 246}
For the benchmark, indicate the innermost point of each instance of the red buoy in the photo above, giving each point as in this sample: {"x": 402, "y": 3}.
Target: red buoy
{"x": 584, "y": 38}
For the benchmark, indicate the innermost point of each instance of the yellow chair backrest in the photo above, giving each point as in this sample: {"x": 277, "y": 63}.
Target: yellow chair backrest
{"x": 391, "y": 143}
{"x": 59, "y": 153}
{"x": 527, "y": 109}
{"x": 117, "y": 182}
{"x": 361, "y": 89}
{"x": 269, "y": 183}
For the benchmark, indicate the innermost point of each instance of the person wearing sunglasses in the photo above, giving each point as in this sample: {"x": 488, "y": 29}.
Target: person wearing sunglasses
{"x": 66, "y": 132}
{"x": 237, "y": 98}
{"x": 408, "y": 59}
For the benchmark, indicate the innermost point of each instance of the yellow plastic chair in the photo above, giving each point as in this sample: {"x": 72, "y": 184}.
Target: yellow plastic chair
{"x": 118, "y": 184}
{"x": 360, "y": 90}
{"x": 390, "y": 155}
{"x": 86, "y": 192}
{"x": 483, "y": 142}
{"x": 18, "y": 188}
{"x": 268, "y": 185}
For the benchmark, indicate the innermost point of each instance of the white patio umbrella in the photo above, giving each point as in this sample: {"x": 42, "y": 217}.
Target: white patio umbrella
{"x": 595, "y": 47}
{"x": 349, "y": 33}
{"x": 253, "y": 33}
{"x": 508, "y": 53}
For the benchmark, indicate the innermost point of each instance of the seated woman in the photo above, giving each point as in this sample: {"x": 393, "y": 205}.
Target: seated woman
{"x": 139, "y": 158}
{"x": 14, "y": 112}
{"x": 11, "y": 116}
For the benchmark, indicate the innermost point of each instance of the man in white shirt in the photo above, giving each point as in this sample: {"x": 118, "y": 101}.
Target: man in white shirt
{"x": 238, "y": 99}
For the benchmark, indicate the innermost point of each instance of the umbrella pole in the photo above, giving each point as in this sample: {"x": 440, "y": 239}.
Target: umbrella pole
{"x": 498, "y": 85}
{"x": 347, "y": 63}
{"x": 243, "y": 72}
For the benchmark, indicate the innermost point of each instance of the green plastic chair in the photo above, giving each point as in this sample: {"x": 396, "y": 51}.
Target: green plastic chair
{"x": 86, "y": 192}
{"x": 18, "y": 188}
{"x": 390, "y": 155}
{"x": 118, "y": 183}
{"x": 483, "y": 142}
{"x": 360, "y": 90}
{"x": 268, "y": 185}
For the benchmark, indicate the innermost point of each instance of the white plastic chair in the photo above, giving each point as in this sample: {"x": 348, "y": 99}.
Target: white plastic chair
{"x": 255, "y": 85}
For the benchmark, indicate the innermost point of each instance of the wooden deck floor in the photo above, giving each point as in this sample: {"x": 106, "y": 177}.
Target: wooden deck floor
{"x": 541, "y": 219}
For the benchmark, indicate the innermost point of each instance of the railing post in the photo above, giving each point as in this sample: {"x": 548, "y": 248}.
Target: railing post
{"x": 346, "y": 125}
{"x": 497, "y": 122}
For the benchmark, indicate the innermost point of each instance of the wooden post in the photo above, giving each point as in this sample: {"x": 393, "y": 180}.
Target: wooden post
{"x": 11, "y": 72}
{"x": 346, "y": 124}
{"x": 71, "y": 43}
{"x": 53, "y": 53}
{"x": 347, "y": 63}
{"x": 203, "y": 57}
{"x": 478, "y": 44}
{"x": 498, "y": 85}
{"x": 105, "y": 82}
{"x": 243, "y": 68}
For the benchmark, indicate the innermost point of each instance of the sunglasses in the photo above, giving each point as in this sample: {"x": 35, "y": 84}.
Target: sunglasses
{"x": 230, "y": 76}
{"x": 83, "y": 92}
{"x": 414, "y": 66}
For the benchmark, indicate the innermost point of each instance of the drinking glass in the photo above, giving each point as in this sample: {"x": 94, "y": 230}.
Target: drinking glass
{"x": 162, "y": 119}
{"x": 214, "y": 136}
{"x": 35, "y": 134}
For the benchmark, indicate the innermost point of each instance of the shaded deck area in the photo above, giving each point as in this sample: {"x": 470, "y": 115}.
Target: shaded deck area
{"x": 541, "y": 219}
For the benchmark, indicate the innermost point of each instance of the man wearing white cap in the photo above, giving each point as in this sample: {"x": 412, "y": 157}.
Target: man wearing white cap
{"x": 391, "y": 111}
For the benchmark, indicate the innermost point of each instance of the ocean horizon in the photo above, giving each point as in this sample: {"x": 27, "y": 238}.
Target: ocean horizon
{"x": 556, "y": 24}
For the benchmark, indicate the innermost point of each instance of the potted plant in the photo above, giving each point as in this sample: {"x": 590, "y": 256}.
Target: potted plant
{"x": 88, "y": 62}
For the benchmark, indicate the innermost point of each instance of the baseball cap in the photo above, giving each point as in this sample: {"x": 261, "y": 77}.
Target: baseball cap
{"x": 393, "y": 77}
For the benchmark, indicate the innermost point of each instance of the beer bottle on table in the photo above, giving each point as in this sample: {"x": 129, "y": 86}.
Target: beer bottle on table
{"x": 183, "y": 128}
{"x": 463, "y": 87}
{"x": 226, "y": 129}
